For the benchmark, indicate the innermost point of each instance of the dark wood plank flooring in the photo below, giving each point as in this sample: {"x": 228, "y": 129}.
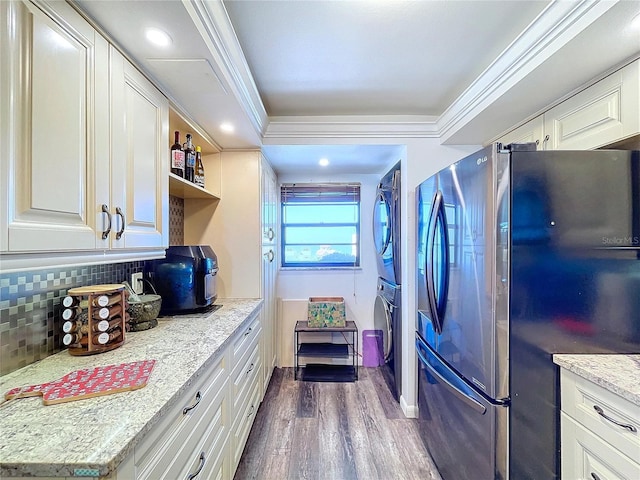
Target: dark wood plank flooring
{"x": 333, "y": 431}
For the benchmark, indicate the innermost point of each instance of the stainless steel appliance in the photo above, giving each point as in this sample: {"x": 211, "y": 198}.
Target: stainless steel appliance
{"x": 185, "y": 278}
{"x": 386, "y": 237}
{"x": 387, "y": 318}
{"x": 386, "y": 226}
{"x": 521, "y": 254}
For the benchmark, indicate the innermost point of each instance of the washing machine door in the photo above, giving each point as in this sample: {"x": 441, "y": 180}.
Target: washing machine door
{"x": 382, "y": 234}
{"x": 382, "y": 321}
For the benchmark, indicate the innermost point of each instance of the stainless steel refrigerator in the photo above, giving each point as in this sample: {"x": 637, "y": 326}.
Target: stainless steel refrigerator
{"x": 521, "y": 254}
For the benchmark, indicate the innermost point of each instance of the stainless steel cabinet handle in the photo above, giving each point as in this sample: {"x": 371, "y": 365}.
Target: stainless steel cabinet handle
{"x": 595, "y": 476}
{"x": 271, "y": 256}
{"x": 545, "y": 141}
{"x": 271, "y": 234}
{"x": 121, "y": 231}
{"x": 251, "y": 411}
{"x": 105, "y": 209}
{"x": 187, "y": 409}
{"x": 200, "y": 467}
{"x": 248, "y": 331}
{"x": 250, "y": 368}
{"x": 631, "y": 428}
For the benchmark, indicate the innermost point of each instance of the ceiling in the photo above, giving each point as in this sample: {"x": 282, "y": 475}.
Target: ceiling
{"x": 270, "y": 66}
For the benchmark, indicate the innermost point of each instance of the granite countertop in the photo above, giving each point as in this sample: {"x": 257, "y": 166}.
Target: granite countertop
{"x": 92, "y": 437}
{"x": 619, "y": 374}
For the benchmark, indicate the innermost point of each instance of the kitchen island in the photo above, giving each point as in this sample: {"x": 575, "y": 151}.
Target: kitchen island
{"x": 92, "y": 437}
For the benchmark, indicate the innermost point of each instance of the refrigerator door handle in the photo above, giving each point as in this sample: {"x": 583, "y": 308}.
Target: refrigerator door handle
{"x": 474, "y": 404}
{"x": 437, "y": 304}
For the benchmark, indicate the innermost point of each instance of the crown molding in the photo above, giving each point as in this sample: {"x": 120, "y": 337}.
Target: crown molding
{"x": 556, "y": 25}
{"x": 350, "y": 126}
{"x": 212, "y": 21}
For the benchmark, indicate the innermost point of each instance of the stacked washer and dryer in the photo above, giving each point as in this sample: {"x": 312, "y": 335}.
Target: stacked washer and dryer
{"x": 387, "y": 312}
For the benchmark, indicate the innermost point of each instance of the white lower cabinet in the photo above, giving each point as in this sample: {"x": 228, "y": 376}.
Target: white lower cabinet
{"x": 203, "y": 435}
{"x": 199, "y": 421}
{"x": 598, "y": 431}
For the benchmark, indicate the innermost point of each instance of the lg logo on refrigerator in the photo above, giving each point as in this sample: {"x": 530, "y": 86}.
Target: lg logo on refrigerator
{"x": 481, "y": 160}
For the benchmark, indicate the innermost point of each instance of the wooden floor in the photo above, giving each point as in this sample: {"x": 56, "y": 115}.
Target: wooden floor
{"x": 333, "y": 431}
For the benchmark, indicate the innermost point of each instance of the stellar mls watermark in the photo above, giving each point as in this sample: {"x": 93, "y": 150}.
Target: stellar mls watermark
{"x": 629, "y": 240}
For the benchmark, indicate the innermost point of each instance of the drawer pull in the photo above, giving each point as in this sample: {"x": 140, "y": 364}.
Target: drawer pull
{"x": 595, "y": 476}
{"x": 251, "y": 411}
{"x": 250, "y": 368}
{"x": 200, "y": 467}
{"x": 631, "y": 428}
{"x": 186, "y": 409}
{"x": 248, "y": 331}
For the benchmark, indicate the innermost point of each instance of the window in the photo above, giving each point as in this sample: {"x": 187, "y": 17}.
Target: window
{"x": 320, "y": 225}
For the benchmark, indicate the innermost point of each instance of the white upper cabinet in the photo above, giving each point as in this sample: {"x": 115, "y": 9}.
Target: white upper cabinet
{"x": 139, "y": 158}
{"x": 54, "y": 104}
{"x": 604, "y": 113}
{"x": 532, "y": 131}
{"x": 84, "y": 160}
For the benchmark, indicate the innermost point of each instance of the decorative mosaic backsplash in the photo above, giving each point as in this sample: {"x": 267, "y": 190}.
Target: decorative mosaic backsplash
{"x": 30, "y": 322}
{"x": 176, "y": 221}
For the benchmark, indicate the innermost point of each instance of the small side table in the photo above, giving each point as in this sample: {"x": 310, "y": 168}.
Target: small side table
{"x": 326, "y": 372}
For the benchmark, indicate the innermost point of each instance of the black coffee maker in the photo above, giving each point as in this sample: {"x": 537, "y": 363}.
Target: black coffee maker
{"x": 185, "y": 279}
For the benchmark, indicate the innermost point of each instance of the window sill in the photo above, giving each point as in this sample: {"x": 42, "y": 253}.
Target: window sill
{"x": 345, "y": 269}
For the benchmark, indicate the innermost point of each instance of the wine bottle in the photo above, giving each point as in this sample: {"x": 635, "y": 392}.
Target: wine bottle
{"x": 177, "y": 157}
{"x": 190, "y": 159}
{"x": 199, "y": 175}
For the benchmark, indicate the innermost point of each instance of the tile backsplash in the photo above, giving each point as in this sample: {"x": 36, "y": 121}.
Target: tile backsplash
{"x": 30, "y": 308}
{"x": 176, "y": 221}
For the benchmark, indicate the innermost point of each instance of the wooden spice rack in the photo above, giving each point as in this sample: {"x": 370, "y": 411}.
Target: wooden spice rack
{"x": 119, "y": 305}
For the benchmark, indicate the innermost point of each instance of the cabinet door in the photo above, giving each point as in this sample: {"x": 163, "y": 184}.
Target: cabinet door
{"x": 585, "y": 455}
{"x": 139, "y": 159}
{"x": 54, "y": 102}
{"x": 603, "y": 113}
{"x": 268, "y": 313}
{"x": 532, "y": 131}
{"x": 269, "y": 203}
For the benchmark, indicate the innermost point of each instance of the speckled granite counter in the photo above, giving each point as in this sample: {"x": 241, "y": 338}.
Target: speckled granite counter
{"x": 97, "y": 434}
{"x": 618, "y": 373}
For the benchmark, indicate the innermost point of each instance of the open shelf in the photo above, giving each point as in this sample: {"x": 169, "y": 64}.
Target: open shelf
{"x": 313, "y": 372}
{"x": 330, "y": 350}
{"x": 316, "y": 371}
{"x": 179, "y": 187}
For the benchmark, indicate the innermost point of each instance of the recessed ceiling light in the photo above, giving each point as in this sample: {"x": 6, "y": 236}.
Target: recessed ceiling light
{"x": 227, "y": 127}
{"x": 323, "y": 162}
{"x": 158, "y": 37}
